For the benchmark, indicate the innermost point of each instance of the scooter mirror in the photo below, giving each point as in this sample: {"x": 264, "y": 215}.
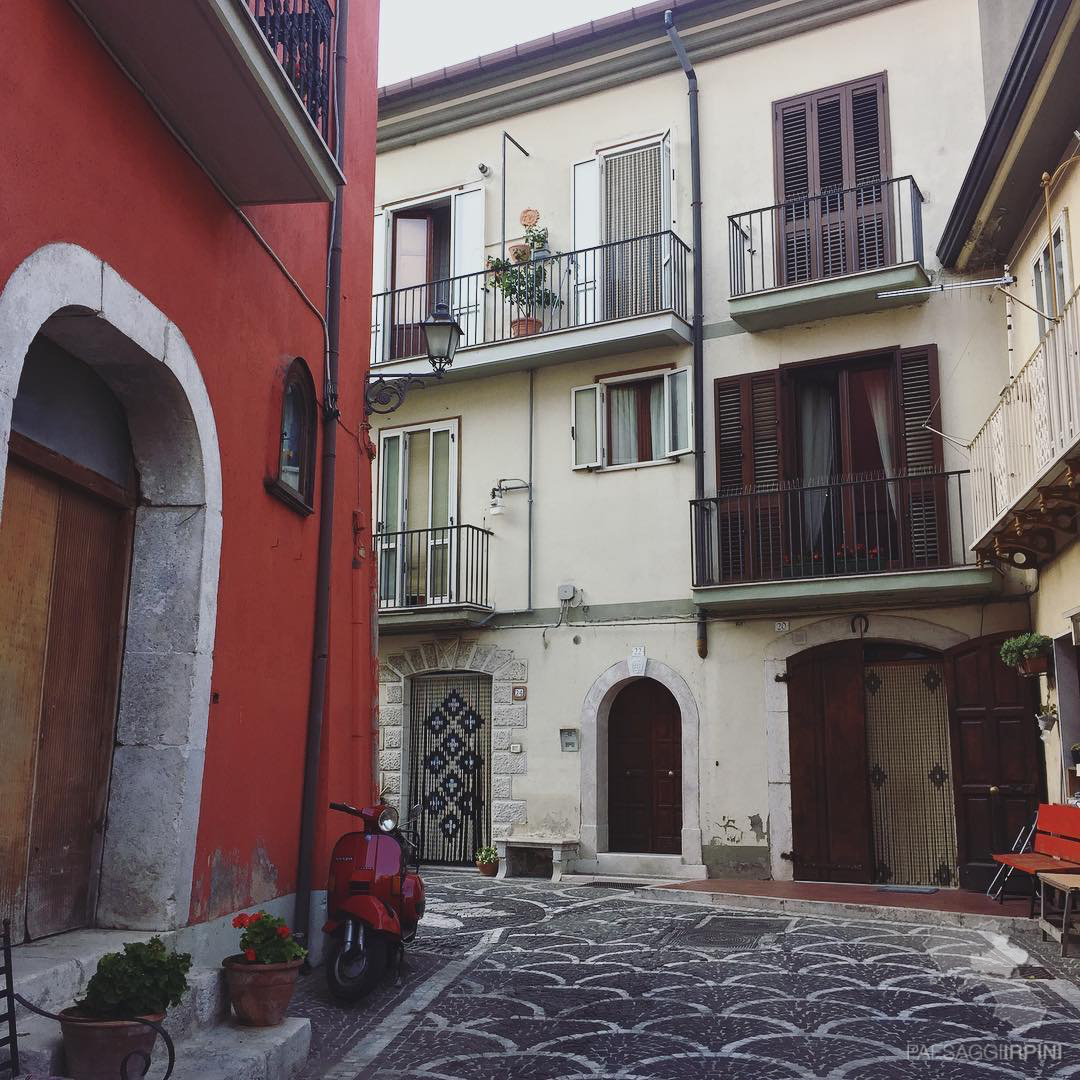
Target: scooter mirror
{"x": 414, "y": 811}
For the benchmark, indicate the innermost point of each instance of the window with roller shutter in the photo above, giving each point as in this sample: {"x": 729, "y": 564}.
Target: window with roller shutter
{"x": 831, "y": 149}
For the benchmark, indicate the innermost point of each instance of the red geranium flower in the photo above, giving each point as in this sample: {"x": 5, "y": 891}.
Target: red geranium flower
{"x": 241, "y": 921}
{"x": 249, "y": 955}
{"x": 255, "y": 918}
{"x": 282, "y": 931}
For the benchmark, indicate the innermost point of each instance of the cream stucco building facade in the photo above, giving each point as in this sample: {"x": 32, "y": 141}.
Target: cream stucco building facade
{"x": 670, "y": 677}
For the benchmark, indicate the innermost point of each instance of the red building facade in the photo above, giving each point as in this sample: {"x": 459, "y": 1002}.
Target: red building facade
{"x": 168, "y": 178}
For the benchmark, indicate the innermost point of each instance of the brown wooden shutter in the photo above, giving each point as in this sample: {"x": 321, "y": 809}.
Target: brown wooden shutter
{"x": 922, "y": 456}
{"x": 749, "y": 470}
{"x": 825, "y": 142}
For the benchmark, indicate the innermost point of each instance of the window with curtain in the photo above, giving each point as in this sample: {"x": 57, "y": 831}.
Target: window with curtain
{"x": 635, "y": 421}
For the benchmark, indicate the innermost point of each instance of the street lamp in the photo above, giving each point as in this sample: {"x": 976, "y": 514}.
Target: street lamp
{"x": 442, "y": 334}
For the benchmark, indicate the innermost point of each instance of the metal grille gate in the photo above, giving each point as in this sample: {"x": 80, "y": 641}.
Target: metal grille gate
{"x": 450, "y": 765}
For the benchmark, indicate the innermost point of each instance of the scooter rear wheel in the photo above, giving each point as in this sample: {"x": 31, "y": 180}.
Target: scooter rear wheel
{"x": 353, "y": 975}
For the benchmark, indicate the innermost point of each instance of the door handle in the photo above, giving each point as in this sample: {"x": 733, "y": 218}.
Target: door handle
{"x": 671, "y": 772}
{"x": 994, "y": 789}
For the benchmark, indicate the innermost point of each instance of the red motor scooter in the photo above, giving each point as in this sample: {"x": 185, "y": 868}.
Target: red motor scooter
{"x": 374, "y": 901}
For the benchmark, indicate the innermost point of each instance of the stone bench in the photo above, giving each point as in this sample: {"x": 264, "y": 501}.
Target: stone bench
{"x": 512, "y": 850}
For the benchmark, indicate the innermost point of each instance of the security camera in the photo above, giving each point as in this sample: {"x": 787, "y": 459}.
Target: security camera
{"x": 484, "y": 169}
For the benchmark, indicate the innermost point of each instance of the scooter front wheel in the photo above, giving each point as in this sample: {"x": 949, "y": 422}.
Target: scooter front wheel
{"x": 352, "y": 974}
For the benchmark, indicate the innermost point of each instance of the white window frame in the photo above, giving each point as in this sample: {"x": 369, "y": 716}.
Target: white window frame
{"x": 1061, "y": 224}
{"x": 431, "y": 427}
{"x": 669, "y": 455}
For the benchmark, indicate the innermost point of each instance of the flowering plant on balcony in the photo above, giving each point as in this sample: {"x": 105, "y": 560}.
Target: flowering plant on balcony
{"x": 267, "y": 939}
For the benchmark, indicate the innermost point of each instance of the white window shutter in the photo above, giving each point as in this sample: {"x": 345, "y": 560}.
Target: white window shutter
{"x": 586, "y": 427}
{"x": 380, "y": 306}
{"x": 467, "y": 294}
{"x": 678, "y": 412}
{"x": 586, "y": 239}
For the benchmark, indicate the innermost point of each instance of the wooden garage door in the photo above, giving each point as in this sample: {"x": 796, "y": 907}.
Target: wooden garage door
{"x": 63, "y": 577}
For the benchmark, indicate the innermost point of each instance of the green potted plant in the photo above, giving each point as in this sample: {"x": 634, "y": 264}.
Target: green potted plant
{"x": 523, "y": 278}
{"x": 1028, "y": 653}
{"x": 100, "y": 1029}
{"x": 487, "y": 861}
{"x": 261, "y": 978}
{"x": 1075, "y": 751}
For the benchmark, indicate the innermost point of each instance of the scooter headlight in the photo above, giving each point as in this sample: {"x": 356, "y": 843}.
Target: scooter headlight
{"x": 388, "y": 819}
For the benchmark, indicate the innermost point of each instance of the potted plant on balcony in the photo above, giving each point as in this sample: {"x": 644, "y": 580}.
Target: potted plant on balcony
{"x": 262, "y": 977}
{"x": 1028, "y": 653}
{"x": 1075, "y": 751}
{"x": 487, "y": 861}
{"x": 523, "y": 278}
{"x": 101, "y": 1029}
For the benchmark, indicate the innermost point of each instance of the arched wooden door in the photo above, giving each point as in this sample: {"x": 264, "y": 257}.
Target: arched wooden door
{"x": 645, "y": 770}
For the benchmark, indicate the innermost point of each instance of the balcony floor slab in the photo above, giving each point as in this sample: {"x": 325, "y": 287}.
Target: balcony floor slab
{"x": 851, "y": 294}
{"x": 922, "y": 588}
{"x": 422, "y": 619}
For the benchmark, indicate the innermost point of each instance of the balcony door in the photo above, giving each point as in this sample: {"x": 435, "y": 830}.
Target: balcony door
{"x": 830, "y": 147}
{"x": 417, "y": 542}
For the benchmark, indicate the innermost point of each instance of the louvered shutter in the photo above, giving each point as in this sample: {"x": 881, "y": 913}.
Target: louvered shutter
{"x": 922, "y": 457}
{"x": 748, "y": 530}
{"x": 827, "y": 143}
{"x": 632, "y": 187}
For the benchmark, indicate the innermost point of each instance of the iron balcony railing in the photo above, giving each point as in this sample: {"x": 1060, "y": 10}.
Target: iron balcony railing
{"x": 1035, "y": 424}
{"x": 838, "y": 528}
{"x": 846, "y": 231}
{"x": 621, "y": 280}
{"x": 299, "y": 35}
{"x": 439, "y": 567}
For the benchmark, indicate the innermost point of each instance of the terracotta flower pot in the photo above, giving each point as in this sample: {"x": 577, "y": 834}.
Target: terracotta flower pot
{"x": 488, "y": 869}
{"x": 525, "y": 327}
{"x": 95, "y": 1050}
{"x": 260, "y": 993}
{"x": 1034, "y": 665}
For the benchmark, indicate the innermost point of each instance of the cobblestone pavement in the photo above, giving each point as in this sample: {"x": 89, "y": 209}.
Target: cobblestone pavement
{"x": 525, "y": 979}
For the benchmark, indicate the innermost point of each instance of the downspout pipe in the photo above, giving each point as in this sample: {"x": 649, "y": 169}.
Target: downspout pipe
{"x": 698, "y": 326}
{"x": 320, "y": 654}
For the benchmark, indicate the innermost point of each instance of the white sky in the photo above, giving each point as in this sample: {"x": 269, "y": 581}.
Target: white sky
{"x": 417, "y": 36}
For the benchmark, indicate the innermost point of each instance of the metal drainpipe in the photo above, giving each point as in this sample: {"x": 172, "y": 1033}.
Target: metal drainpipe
{"x": 698, "y": 328}
{"x": 321, "y": 638}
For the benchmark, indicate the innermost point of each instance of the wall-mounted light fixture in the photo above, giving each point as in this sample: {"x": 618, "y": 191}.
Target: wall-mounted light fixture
{"x": 496, "y": 506}
{"x": 442, "y": 335}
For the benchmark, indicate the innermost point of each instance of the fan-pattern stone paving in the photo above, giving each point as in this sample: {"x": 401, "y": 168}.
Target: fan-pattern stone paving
{"x": 590, "y": 984}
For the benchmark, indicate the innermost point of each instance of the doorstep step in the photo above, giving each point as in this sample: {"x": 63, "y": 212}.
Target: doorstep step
{"x": 232, "y": 1052}
{"x": 619, "y": 864}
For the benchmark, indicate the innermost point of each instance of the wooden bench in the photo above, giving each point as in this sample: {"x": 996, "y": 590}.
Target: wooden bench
{"x": 1056, "y": 848}
{"x": 1068, "y": 885}
{"x": 563, "y": 853}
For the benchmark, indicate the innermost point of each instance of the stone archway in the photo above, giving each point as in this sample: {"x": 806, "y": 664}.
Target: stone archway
{"x": 595, "y": 712}
{"x": 451, "y": 655}
{"x": 896, "y": 628}
{"x": 77, "y": 300}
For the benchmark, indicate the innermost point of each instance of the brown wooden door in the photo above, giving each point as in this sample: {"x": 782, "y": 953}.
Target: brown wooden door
{"x": 832, "y": 836}
{"x": 995, "y": 752}
{"x": 63, "y": 561}
{"x": 645, "y": 770}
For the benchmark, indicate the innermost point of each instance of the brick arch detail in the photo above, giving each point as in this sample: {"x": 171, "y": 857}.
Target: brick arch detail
{"x": 509, "y": 718}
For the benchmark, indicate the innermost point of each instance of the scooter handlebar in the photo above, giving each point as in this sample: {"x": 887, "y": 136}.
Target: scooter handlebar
{"x": 345, "y": 808}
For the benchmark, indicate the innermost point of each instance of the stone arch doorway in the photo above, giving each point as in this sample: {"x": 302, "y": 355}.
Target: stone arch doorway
{"x": 595, "y": 771}
{"x": 645, "y": 770}
{"x": 64, "y": 300}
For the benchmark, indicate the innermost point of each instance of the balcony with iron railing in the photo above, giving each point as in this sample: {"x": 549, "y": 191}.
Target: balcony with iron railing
{"x": 1025, "y": 460}
{"x": 826, "y": 254}
{"x": 615, "y": 297}
{"x": 433, "y": 578}
{"x": 244, "y": 83}
{"x": 844, "y": 542}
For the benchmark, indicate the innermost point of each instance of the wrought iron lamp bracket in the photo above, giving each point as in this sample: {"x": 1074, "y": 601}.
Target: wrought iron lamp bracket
{"x": 386, "y": 395}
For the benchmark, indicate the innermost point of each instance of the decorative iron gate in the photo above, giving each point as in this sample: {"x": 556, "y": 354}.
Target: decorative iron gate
{"x": 450, "y": 765}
